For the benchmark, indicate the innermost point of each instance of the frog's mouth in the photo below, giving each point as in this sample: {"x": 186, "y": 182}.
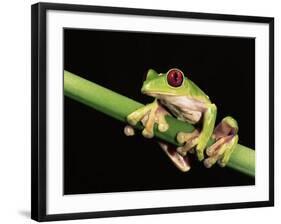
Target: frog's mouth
{"x": 181, "y": 162}
{"x": 157, "y": 94}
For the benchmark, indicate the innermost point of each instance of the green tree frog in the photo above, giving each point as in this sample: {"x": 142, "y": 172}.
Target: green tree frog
{"x": 177, "y": 95}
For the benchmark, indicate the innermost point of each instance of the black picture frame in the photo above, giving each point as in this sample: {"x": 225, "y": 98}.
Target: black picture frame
{"x": 39, "y": 122}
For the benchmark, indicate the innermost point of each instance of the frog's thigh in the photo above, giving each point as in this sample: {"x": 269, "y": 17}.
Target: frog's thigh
{"x": 226, "y": 138}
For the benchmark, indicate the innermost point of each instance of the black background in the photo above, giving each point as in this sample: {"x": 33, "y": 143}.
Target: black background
{"x": 99, "y": 158}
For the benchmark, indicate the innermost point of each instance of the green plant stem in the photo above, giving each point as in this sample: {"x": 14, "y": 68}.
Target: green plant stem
{"x": 119, "y": 107}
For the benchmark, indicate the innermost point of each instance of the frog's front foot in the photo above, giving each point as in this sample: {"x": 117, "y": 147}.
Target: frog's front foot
{"x": 226, "y": 138}
{"x": 188, "y": 141}
{"x": 148, "y": 115}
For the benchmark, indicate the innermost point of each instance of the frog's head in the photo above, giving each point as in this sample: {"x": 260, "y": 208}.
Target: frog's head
{"x": 172, "y": 83}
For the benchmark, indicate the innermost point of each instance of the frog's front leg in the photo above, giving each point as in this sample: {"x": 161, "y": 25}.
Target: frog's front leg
{"x": 209, "y": 120}
{"x": 198, "y": 140}
{"x": 226, "y": 138}
{"x": 149, "y": 115}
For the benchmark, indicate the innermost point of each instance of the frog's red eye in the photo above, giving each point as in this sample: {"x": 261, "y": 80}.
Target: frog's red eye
{"x": 175, "y": 77}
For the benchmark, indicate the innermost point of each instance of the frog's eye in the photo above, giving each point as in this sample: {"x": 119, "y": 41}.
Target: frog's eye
{"x": 175, "y": 77}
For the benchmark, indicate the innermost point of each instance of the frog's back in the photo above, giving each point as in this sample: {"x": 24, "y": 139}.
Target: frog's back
{"x": 196, "y": 93}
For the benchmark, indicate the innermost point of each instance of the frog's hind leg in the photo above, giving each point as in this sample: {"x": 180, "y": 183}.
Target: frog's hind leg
{"x": 180, "y": 161}
{"x": 226, "y": 138}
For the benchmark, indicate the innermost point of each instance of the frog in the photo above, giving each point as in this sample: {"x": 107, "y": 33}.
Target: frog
{"x": 176, "y": 95}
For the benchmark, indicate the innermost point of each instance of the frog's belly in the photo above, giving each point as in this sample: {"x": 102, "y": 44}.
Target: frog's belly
{"x": 186, "y": 115}
{"x": 184, "y": 108}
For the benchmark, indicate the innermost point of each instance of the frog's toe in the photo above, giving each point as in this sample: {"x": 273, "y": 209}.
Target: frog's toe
{"x": 181, "y": 137}
{"x": 162, "y": 123}
{"x": 200, "y": 154}
{"x": 209, "y": 162}
{"x": 129, "y": 130}
{"x": 131, "y": 120}
{"x": 163, "y": 127}
{"x": 147, "y": 133}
